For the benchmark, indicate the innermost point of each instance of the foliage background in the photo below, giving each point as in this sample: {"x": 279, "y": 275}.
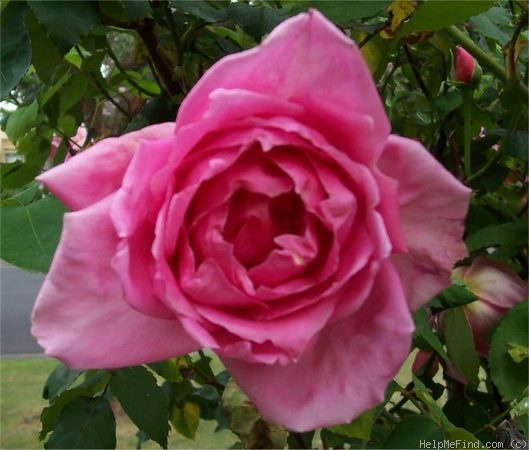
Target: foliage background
{"x": 116, "y": 66}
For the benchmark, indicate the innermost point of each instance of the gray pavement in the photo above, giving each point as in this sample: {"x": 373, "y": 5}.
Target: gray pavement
{"x": 18, "y": 290}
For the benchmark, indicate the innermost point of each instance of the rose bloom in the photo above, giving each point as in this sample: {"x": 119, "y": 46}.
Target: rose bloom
{"x": 498, "y": 290}
{"x": 277, "y": 223}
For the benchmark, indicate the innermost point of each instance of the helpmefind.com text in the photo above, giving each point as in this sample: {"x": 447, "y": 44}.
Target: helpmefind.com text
{"x": 460, "y": 443}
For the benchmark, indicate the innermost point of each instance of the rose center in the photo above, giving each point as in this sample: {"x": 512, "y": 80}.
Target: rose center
{"x": 255, "y": 220}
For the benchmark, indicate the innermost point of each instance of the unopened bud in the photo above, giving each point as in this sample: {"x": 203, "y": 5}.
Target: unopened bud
{"x": 466, "y": 69}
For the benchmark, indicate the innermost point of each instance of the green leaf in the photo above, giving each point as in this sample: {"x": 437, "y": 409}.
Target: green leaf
{"x": 256, "y": 21}
{"x": 84, "y": 423}
{"x": 60, "y": 379}
{"x": 486, "y": 24}
{"x": 44, "y": 54}
{"x": 21, "y": 121}
{"x": 15, "y": 46}
{"x": 460, "y": 345}
{"x": 143, "y": 401}
{"x": 433, "y": 15}
{"x": 342, "y": 12}
{"x": 456, "y": 296}
{"x": 447, "y": 102}
{"x": 462, "y": 438}
{"x": 94, "y": 382}
{"x": 423, "y": 330}
{"x": 411, "y": 430}
{"x": 201, "y": 9}
{"x": 17, "y": 174}
{"x": 508, "y": 375}
{"x": 360, "y": 428}
{"x": 186, "y": 419}
{"x": 246, "y": 422}
{"x": 30, "y": 233}
{"x": 66, "y": 22}
{"x": 168, "y": 369}
{"x": 513, "y": 233}
{"x": 73, "y": 91}
{"x": 518, "y": 352}
{"x": 516, "y": 145}
{"x": 126, "y": 11}
{"x": 435, "y": 411}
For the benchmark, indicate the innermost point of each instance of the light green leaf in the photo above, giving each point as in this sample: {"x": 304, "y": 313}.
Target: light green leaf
{"x": 186, "y": 419}
{"x": 143, "y": 401}
{"x": 433, "y": 15}
{"x": 30, "y": 233}
{"x": 508, "y": 375}
{"x": 462, "y": 438}
{"x": 518, "y": 352}
{"x": 460, "y": 345}
{"x": 15, "y": 47}
{"x": 84, "y": 423}
{"x": 21, "y": 121}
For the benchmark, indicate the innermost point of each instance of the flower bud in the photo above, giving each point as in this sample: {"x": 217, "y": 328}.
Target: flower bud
{"x": 498, "y": 289}
{"x": 466, "y": 69}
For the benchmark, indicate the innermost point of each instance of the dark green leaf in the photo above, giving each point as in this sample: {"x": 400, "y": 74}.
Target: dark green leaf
{"x": 201, "y": 9}
{"x": 460, "y": 345}
{"x": 15, "y": 46}
{"x": 60, "y": 379}
{"x": 435, "y": 15}
{"x": 66, "y": 22}
{"x": 487, "y": 24}
{"x": 30, "y": 233}
{"x": 44, "y": 54}
{"x": 514, "y": 233}
{"x": 126, "y": 10}
{"x": 72, "y": 92}
{"x": 84, "y": 423}
{"x": 516, "y": 145}
{"x": 143, "y": 401}
{"x": 94, "y": 382}
{"x": 21, "y": 121}
{"x": 411, "y": 430}
{"x": 17, "y": 174}
{"x": 344, "y": 12}
{"x": 447, "y": 102}
{"x": 256, "y": 20}
{"x": 509, "y": 376}
{"x": 456, "y": 296}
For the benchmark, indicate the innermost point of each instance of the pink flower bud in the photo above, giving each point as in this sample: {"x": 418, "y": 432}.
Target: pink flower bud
{"x": 498, "y": 289}
{"x": 466, "y": 70}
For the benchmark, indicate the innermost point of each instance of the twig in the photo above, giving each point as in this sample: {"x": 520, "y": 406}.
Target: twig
{"x": 416, "y": 73}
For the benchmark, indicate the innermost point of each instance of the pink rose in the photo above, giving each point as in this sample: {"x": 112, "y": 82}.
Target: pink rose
{"x": 466, "y": 69}
{"x": 277, "y": 223}
{"x": 498, "y": 290}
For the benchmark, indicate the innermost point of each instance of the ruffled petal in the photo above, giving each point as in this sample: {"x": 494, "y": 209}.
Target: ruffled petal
{"x": 342, "y": 356}
{"x": 432, "y": 207}
{"x": 98, "y": 171}
{"x": 306, "y": 51}
{"x": 80, "y": 316}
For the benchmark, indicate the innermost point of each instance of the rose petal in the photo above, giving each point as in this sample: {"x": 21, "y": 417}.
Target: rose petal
{"x": 432, "y": 207}
{"x": 306, "y": 51}
{"x": 97, "y": 172}
{"x": 343, "y": 356}
{"x": 495, "y": 283}
{"x": 80, "y": 316}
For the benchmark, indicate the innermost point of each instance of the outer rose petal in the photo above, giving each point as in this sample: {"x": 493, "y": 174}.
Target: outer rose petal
{"x": 432, "y": 208}
{"x": 97, "y": 172}
{"x": 355, "y": 358}
{"x": 80, "y": 316}
{"x": 306, "y": 51}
